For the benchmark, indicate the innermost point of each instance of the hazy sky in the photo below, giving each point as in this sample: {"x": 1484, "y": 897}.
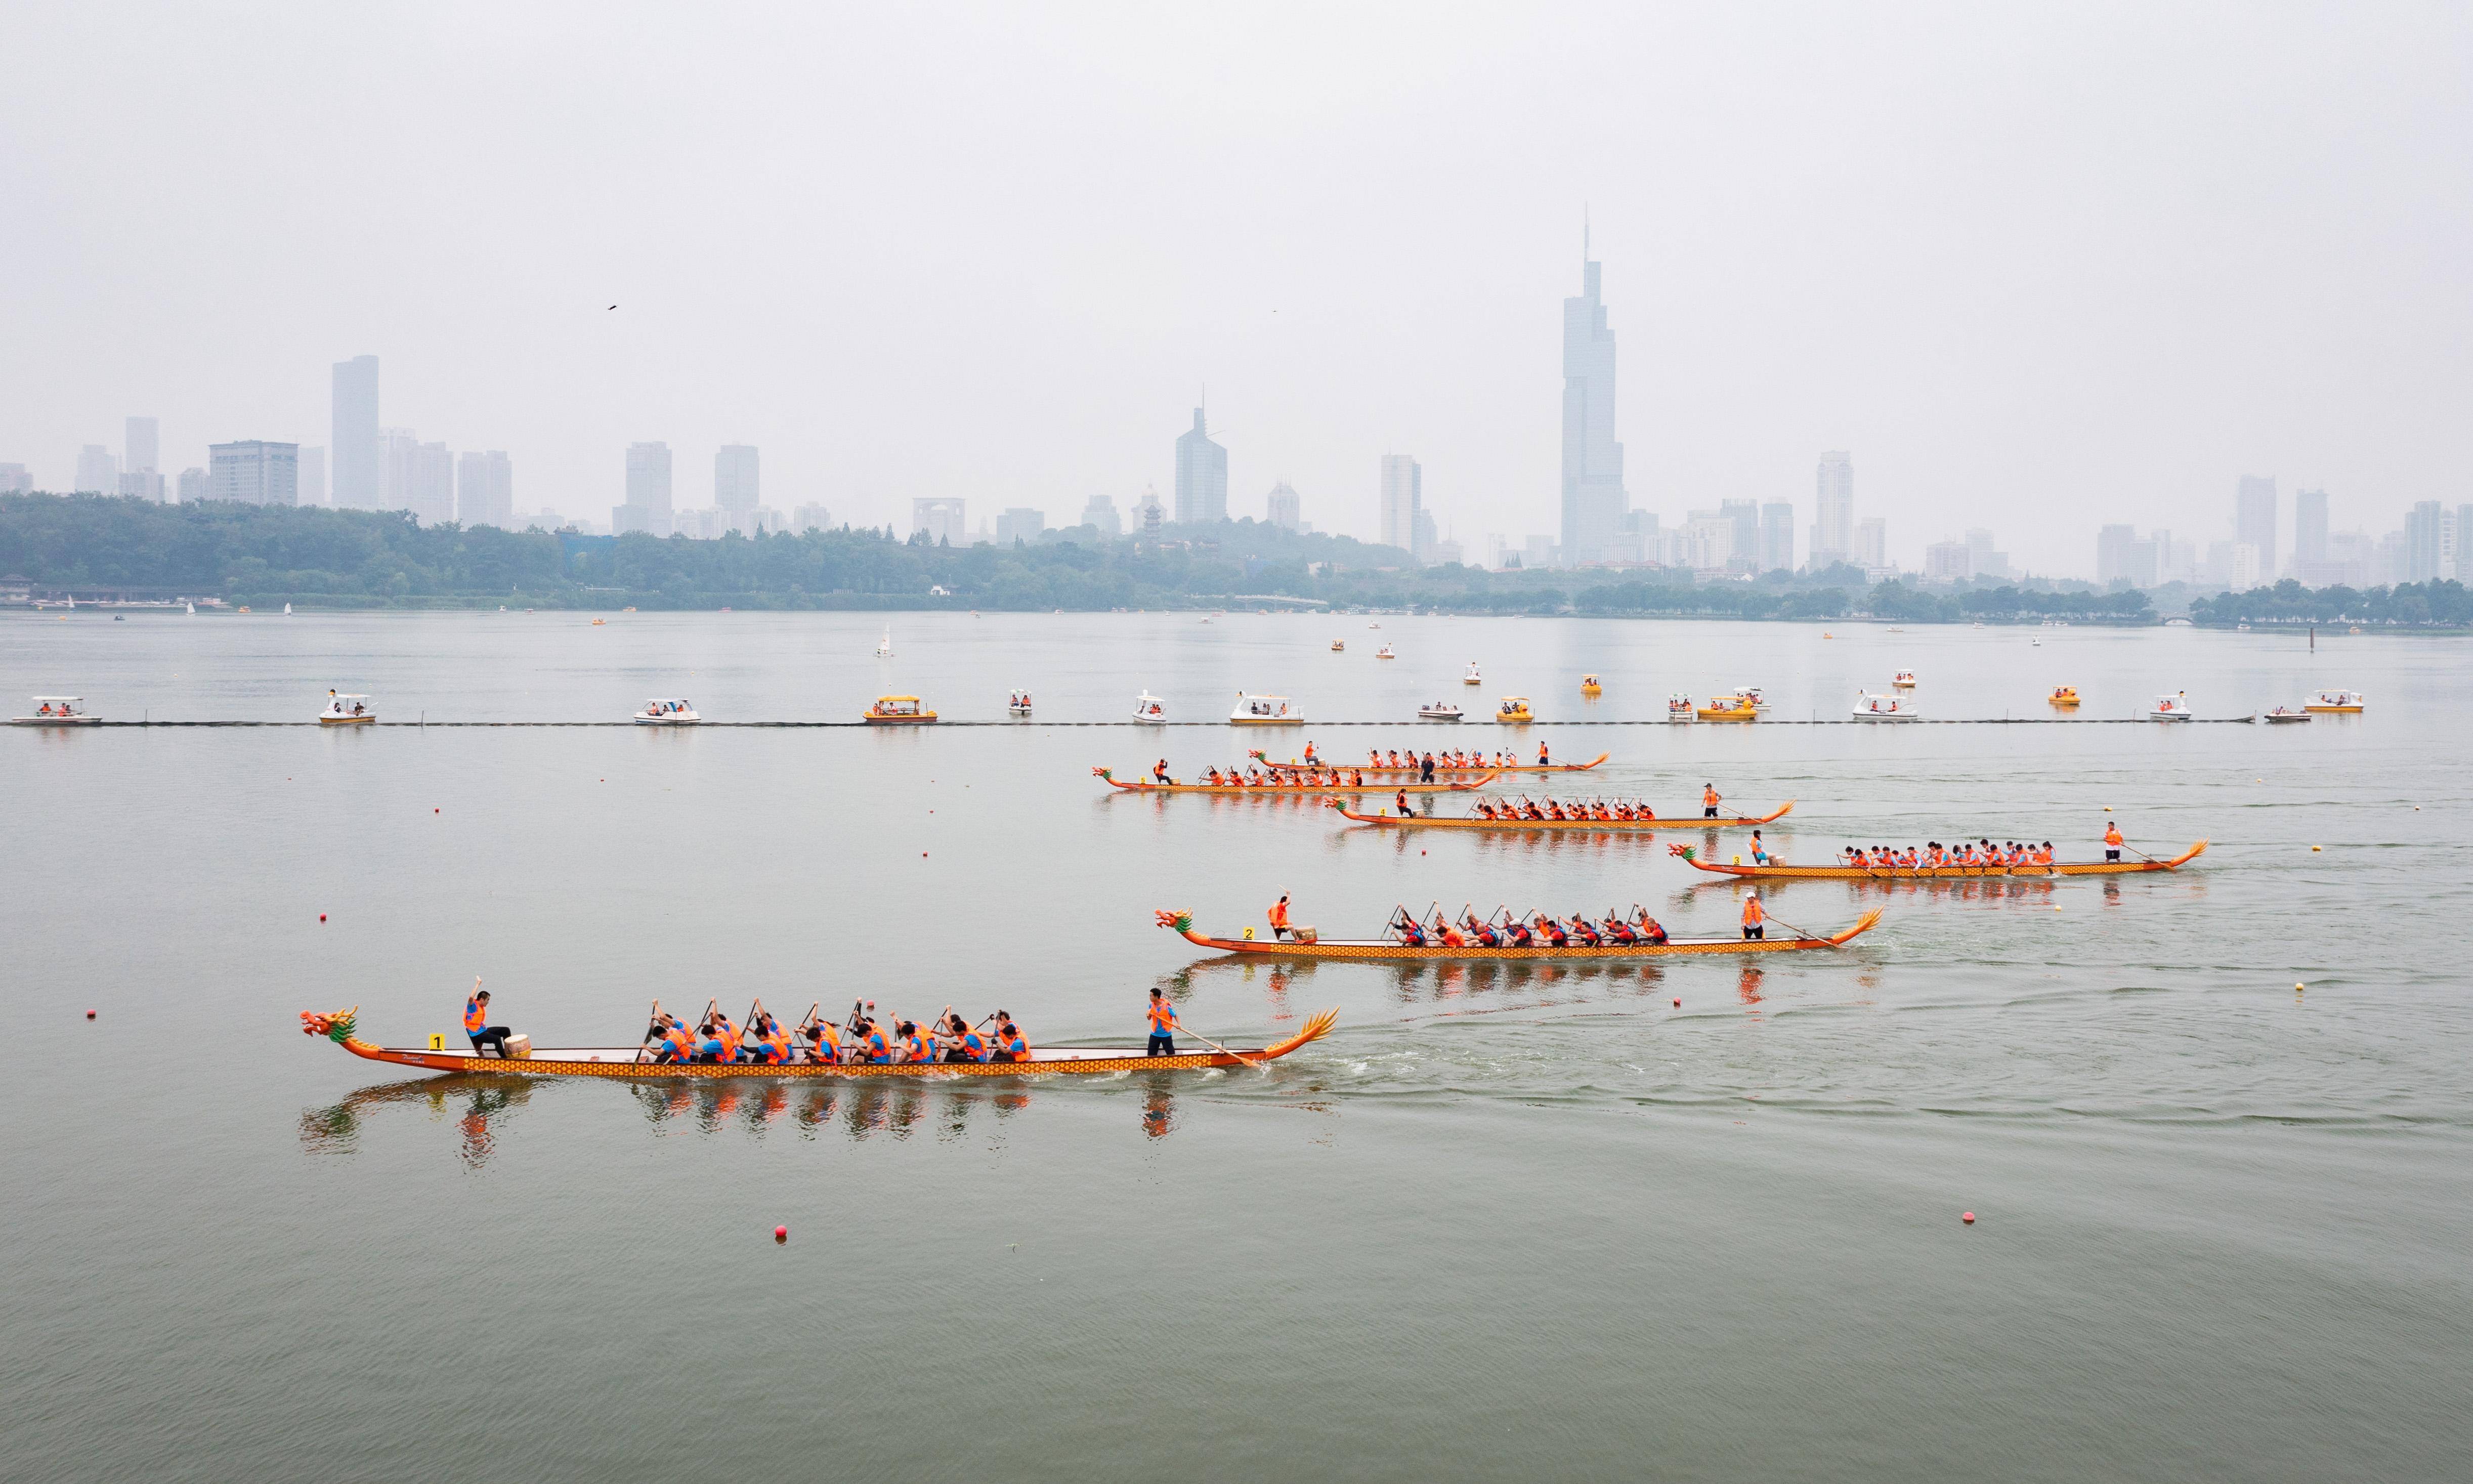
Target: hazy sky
{"x": 2037, "y": 268}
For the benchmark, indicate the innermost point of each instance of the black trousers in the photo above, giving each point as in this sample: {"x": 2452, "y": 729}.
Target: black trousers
{"x": 1755, "y": 930}
{"x": 489, "y": 1036}
{"x": 1709, "y": 813}
{"x": 1162, "y": 1045}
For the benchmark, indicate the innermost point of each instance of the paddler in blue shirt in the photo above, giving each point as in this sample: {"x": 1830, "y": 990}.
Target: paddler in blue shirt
{"x": 1163, "y": 1020}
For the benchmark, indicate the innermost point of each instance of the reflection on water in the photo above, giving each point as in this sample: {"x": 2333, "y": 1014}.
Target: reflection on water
{"x": 1747, "y": 984}
{"x": 1158, "y": 1105}
{"x": 481, "y": 1106}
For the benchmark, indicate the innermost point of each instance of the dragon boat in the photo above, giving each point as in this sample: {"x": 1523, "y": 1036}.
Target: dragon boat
{"x": 1369, "y": 787}
{"x": 1386, "y": 770}
{"x": 1390, "y": 951}
{"x": 631, "y": 1062}
{"x": 1845, "y": 873}
{"x": 1635, "y": 825}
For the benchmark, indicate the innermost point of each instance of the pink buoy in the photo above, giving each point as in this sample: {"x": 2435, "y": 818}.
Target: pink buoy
{"x": 1967, "y": 1216}
{"x": 1678, "y": 1002}
{"x": 89, "y": 1015}
{"x": 781, "y": 1233}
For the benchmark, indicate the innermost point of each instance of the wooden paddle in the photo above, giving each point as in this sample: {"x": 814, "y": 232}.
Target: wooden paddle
{"x": 1217, "y": 1046}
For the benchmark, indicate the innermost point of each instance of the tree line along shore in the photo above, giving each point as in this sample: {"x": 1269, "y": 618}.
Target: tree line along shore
{"x": 344, "y": 559}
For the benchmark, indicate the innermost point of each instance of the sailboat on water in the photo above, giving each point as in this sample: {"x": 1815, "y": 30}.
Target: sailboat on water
{"x": 884, "y": 645}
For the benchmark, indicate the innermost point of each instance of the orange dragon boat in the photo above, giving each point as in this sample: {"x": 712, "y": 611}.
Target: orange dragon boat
{"x": 1845, "y": 873}
{"x": 633, "y": 1061}
{"x": 1392, "y": 950}
{"x": 1635, "y": 825}
{"x": 1386, "y": 770}
{"x": 1292, "y": 788}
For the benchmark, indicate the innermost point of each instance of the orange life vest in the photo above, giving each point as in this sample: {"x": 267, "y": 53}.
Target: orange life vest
{"x": 475, "y": 1019}
{"x": 2111, "y": 837}
{"x": 1753, "y": 916}
{"x": 1280, "y": 914}
{"x": 1163, "y": 1017}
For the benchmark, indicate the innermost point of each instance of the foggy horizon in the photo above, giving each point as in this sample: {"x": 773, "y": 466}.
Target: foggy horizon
{"x": 2036, "y": 273}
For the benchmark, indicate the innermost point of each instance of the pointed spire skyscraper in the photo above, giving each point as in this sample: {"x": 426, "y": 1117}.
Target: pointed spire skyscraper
{"x": 1593, "y": 499}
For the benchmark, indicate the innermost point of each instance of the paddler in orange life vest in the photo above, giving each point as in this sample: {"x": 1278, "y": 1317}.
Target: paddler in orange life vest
{"x": 1010, "y": 1044}
{"x": 1280, "y": 918}
{"x": 1709, "y": 797}
{"x": 1309, "y": 755}
{"x": 1754, "y": 916}
{"x": 824, "y": 1042}
{"x": 1542, "y": 759}
{"x": 2112, "y": 841}
{"x": 1163, "y": 1017}
{"x": 669, "y": 1041}
{"x": 476, "y": 1016}
{"x": 1159, "y": 772}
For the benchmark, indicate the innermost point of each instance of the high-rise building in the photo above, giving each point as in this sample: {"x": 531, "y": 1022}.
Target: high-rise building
{"x": 1101, "y": 514}
{"x": 811, "y": 517}
{"x": 428, "y": 489}
{"x": 648, "y": 491}
{"x": 313, "y": 475}
{"x": 485, "y": 490}
{"x": 194, "y": 486}
{"x": 1201, "y": 476}
{"x": 1833, "y": 513}
{"x": 942, "y": 519}
{"x": 98, "y": 473}
{"x": 2309, "y": 530}
{"x": 137, "y": 441}
{"x": 1402, "y": 494}
{"x": 2247, "y": 566}
{"x": 1872, "y": 542}
{"x": 1593, "y": 499}
{"x": 2424, "y": 527}
{"x": 398, "y": 449}
{"x": 2113, "y": 557}
{"x": 1744, "y": 550}
{"x": 2254, "y": 518}
{"x": 1948, "y": 561}
{"x": 1982, "y": 561}
{"x": 1020, "y": 523}
{"x": 1427, "y": 538}
{"x": 1777, "y": 537}
{"x": 15, "y": 479}
{"x": 1706, "y": 541}
{"x": 735, "y": 482}
{"x": 353, "y": 436}
{"x": 142, "y": 485}
{"x": 1284, "y": 509}
{"x": 253, "y": 473}
{"x": 2463, "y": 542}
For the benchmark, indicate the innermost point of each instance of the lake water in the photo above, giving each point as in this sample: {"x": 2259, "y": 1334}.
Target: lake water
{"x": 1503, "y": 1224}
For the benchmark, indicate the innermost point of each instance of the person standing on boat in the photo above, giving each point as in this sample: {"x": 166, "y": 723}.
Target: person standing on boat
{"x": 1309, "y": 755}
{"x": 1164, "y": 1027}
{"x": 1426, "y": 768}
{"x": 1280, "y": 918}
{"x": 1754, "y": 918}
{"x": 1708, "y": 798}
{"x": 1544, "y": 759}
{"x": 476, "y": 1014}
{"x": 2111, "y": 843}
{"x": 1159, "y": 772}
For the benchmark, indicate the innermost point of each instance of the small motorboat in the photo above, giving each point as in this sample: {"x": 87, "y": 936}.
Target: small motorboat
{"x": 1384, "y": 653}
{"x": 1254, "y": 711}
{"x": 1869, "y": 707}
{"x": 1017, "y": 703}
{"x": 2338, "y": 703}
{"x": 1339, "y": 646}
{"x": 1678, "y": 707}
{"x": 343, "y": 710}
{"x": 883, "y": 646}
{"x": 1148, "y": 707}
{"x": 664, "y": 712}
{"x": 1904, "y": 680}
{"x": 1589, "y": 686}
{"x": 2174, "y": 708}
{"x": 1439, "y": 711}
{"x": 898, "y": 711}
{"x": 2286, "y": 713}
{"x": 1513, "y": 711}
{"x": 58, "y": 711}
{"x": 2065, "y": 697}
{"x": 1470, "y": 677}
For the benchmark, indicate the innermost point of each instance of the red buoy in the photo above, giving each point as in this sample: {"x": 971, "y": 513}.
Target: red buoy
{"x": 1967, "y": 1216}
{"x": 433, "y": 811}
{"x": 1678, "y": 1002}
{"x": 89, "y": 1015}
{"x": 781, "y": 1233}
{"x": 321, "y": 917}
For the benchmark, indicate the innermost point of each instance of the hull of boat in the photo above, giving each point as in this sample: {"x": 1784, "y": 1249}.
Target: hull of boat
{"x": 2333, "y": 710}
{"x": 623, "y": 1062}
{"x": 669, "y": 721}
{"x": 347, "y": 721}
{"x": 1384, "y": 951}
{"x": 922, "y": 719}
{"x": 1294, "y": 788}
{"x": 1948, "y": 873}
{"x": 55, "y": 721}
{"x": 1728, "y": 715}
{"x": 1641, "y": 826}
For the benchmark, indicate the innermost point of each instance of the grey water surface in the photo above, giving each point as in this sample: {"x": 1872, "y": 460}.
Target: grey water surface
{"x": 1691, "y": 1221}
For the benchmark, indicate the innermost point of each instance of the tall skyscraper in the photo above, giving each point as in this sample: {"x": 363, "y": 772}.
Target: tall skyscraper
{"x": 313, "y": 476}
{"x": 1982, "y": 561}
{"x": 1403, "y": 495}
{"x": 1593, "y": 499}
{"x": 195, "y": 485}
{"x": 2112, "y": 553}
{"x": 98, "y": 473}
{"x": 15, "y": 479}
{"x": 428, "y": 488}
{"x": 142, "y": 484}
{"x": 485, "y": 490}
{"x": 1872, "y": 542}
{"x": 1101, "y": 515}
{"x": 735, "y": 483}
{"x": 1284, "y": 507}
{"x": 2424, "y": 536}
{"x": 2254, "y": 521}
{"x": 1833, "y": 514}
{"x": 397, "y": 449}
{"x": 253, "y": 473}
{"x": 137, "y": 441}
{"x": 1744, "y": 551}
{"x": 353, "y": 436}
{"x": 2309, "y": 530}
{"x": 648, "y": 490}
{"x": 1201, "y": 476}
{"x": 1777, "y": 537}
